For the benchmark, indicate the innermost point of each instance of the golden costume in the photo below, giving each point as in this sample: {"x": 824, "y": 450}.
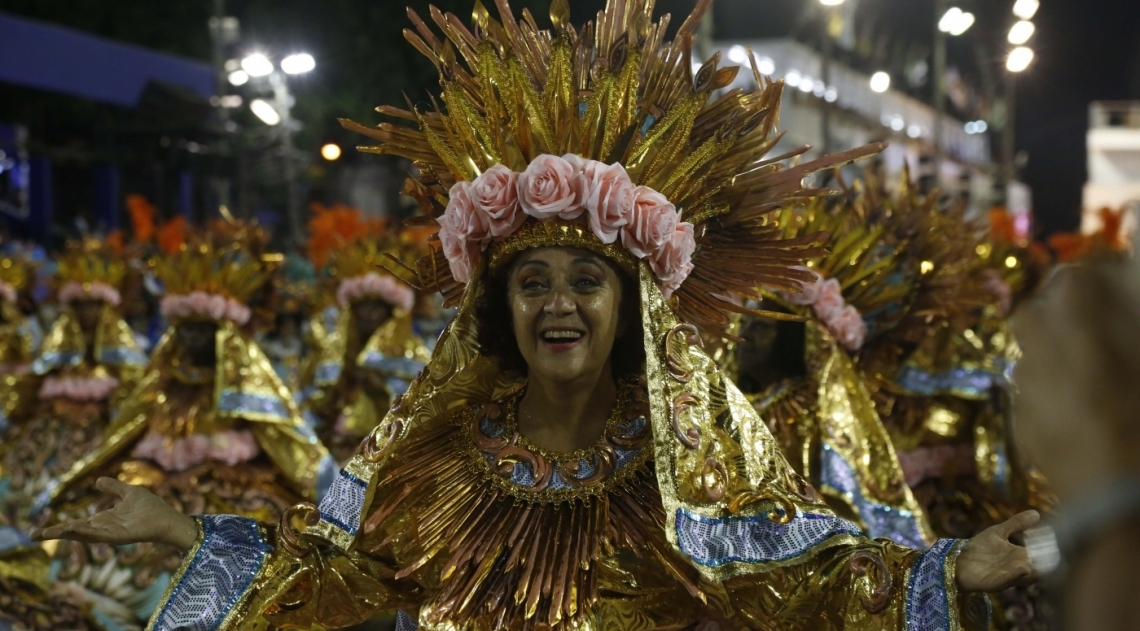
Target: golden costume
{"x": 221, "y": 438}
{"x": 77, "y": 380}
{"x": 685, "y": 512}
{"x": 351, "y": 380}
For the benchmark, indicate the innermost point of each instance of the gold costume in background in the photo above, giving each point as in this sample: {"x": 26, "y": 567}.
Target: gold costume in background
{"x": 216, "y": 436}
{"x": 88, "y": 361}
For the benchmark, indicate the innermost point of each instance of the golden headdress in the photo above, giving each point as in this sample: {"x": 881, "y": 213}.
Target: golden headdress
{"x": 613, "y": 93}
{"x": 89, "y": 269}
{"x": 211, "y": 276}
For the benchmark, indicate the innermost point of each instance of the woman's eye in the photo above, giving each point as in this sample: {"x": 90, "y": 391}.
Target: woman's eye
{"x": 586, "y": 281}
{"x": 533, "y": 284}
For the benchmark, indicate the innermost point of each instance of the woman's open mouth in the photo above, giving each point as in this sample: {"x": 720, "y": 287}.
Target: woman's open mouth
{"x": 560, "y": 340}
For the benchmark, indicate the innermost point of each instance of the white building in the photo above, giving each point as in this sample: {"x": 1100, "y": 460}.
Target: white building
{"x": 1113, "y": 142}
{"x": 861, "y": 115}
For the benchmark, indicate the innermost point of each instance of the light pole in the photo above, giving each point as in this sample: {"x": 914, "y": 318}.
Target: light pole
{"x": 1018, "y": 60}
{"x": 279, "y": 112}
{"x": 952, "y": 21}
{"x": 831, "y": 7}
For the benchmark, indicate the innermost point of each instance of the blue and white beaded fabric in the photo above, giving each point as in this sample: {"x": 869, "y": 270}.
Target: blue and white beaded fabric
{"x": 396, "y": 365}
{"x": 405, "y": 622}
{"x": 327, "y": 374}
{"x": 239, "y": 402}
{"x": 52, "y": 360}
{"x": 122, "y": 356}
{"x": 230, "y": 556}
{"x": 973, "y": 383}
{"x": 897, "y": 524}
{"x": 928, "y": 606}
{"x": 717, "y": 541}
{"x": 344, "y": 502}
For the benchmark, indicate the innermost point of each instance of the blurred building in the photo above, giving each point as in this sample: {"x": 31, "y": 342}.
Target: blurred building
{"x": 860, "y": 115}
{"x": 1113, "y": 143}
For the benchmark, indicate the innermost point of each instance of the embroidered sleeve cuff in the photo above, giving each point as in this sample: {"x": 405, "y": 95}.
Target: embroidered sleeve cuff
{"x": 932, "y": 602}
{"x": 216, "y": 575}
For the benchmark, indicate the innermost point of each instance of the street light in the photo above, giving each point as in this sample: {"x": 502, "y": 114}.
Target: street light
{"x": 831, "y": 3}
{"x": 1026, "y": 9}
{"x": 330, "y": 151}
{"x": 298, "y": 64}
{"x": 265, "y": 111}
{"x": 238, "y": 77}
{"x": 1020, "y": 32}
{"x": 257, "y": 65}
{"x": 880, "y": 82}
{"x": 956, "y": 21}
{"x": 1019, "y": 59}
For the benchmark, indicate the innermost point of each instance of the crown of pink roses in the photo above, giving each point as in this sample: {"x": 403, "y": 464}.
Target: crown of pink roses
{"x": 825, "y": 297}
{"x": 373, "y": 285}
{"x": 569, "y": 188}
{"x": 94, "y": 290}
{"x": 204, "y": 305}
{"x": 8, "y": 292}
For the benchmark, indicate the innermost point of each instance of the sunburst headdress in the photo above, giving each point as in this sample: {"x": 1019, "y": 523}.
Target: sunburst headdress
{"x": 210, "y": 279}
{"x": 601, "y": 138}
{"x": 356, "y": 266}
{"x": 89, "y": 270}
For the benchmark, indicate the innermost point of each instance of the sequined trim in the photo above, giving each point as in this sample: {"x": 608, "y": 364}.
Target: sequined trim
{"x": 897, "y": 524}
{"x": 396, "y": 366}
{"x": 327, "y": 374}
{"x": 239, "y": 403}
{"x": 716, "y": 541}
{"x": 344, "y": 502}
{"x": 929, "y": 589}
{"x": 51, "y": 360}
{"x": 405, "y": 622}
{"x": 970, "y": 383}
{"x": 122, "y": 356}
{"x": 216, "y": 577}
{"x": 10, "y": 539}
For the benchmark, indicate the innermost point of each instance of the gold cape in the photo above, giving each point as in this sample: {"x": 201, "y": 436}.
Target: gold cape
{"x": 245, "y": 387}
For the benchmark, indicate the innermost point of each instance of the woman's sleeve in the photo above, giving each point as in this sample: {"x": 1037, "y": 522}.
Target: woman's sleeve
{"x": 239, "y": 569}
{"x": 865, "y": 584}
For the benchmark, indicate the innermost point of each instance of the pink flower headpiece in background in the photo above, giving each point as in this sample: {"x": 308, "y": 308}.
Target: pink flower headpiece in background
{"x": 825, "y": 297}
{"x": 78, "y": 388}
{"x": 373, "y": 285}
{"x": 499, "y": 201}
{"x": 199, "y": 304}
{"x": 74, "y": 290}
{"x": 8, "y": 292}
{"x": 179, "y": 454}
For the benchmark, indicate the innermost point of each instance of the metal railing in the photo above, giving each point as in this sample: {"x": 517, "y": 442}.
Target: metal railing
{"x": 1124, "y": 114}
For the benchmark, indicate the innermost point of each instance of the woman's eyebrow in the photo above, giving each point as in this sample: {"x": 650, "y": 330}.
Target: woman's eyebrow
{"x": 589, "y": 260}
{"x": 533, "y": 262}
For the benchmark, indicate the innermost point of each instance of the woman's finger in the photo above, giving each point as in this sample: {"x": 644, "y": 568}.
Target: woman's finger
{"x": 1017, "y": 523}
{"x": 112, "y": 486}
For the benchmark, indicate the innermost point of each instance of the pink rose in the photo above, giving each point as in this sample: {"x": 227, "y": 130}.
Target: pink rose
{"x": 8, "y": 292}
{"x": 830, "y": 300}
{"x": 547, "y": 189}
{"x": 495, "y": 194}
{"x": 233, "y": 446}
{"x": 217, "y": 307}
{"x": 198, "y": 302}
{"x": 463, "y": 231}
{"x": 673, "y": 262}
{"x": 584, "y": 171}
{"x": 810, "y": 289}
{"x": 610, "y": 203}
{"x": 848, "y": 328}
{"x": 652, "y": 222}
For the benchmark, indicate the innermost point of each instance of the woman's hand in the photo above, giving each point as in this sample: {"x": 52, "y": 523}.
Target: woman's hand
{"x": 140, "y": 517}
{"x": 990, "y": 563}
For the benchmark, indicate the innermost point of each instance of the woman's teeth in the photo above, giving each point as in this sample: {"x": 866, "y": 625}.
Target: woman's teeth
{"x": 562, "y": 335}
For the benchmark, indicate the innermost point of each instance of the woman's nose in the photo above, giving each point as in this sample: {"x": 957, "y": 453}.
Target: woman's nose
{"x": 559, "y": 304}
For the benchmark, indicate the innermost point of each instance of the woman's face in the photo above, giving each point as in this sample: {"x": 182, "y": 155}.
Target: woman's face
{"x": 565, "y": 306}
{"x": 196, "y": 337}
{"x": 369, "y": 314}
{"x": 87, "y": 313}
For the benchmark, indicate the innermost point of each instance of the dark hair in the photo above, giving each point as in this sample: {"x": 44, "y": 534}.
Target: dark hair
{"x": 497, "y": 337}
